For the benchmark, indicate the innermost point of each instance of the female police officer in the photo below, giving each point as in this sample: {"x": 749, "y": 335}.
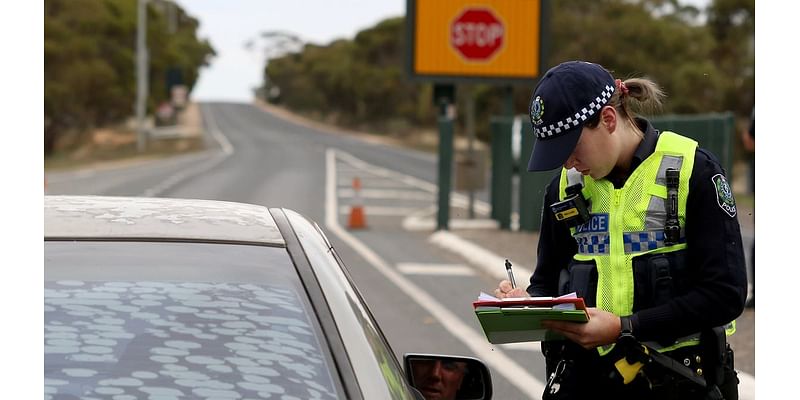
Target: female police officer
{"x": 657, "y": 255}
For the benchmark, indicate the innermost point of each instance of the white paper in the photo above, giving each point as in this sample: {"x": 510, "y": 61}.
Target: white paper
{"x": 487, "y": 296}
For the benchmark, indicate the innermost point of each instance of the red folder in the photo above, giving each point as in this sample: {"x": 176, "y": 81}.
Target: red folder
{"x": 531, "y": 302}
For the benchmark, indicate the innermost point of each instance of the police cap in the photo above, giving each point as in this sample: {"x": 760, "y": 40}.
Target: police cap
{"x": 565, "y": 98}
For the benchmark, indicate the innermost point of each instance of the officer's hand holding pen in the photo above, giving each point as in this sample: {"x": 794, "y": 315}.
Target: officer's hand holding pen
{"x": 507, "y": 288}
{"x": 603, "y": 327}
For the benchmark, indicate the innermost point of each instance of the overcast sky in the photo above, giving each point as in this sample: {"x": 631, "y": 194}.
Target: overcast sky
{"x": 228, "y": 24}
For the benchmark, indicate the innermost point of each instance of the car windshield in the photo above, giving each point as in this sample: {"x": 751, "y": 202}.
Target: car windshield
{"x": 178, "y": 320}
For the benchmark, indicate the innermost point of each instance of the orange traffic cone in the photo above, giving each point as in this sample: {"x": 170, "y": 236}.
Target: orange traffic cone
{"x": 356, "y": 219}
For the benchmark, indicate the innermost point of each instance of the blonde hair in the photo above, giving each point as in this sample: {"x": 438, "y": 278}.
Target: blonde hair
{"x": 632, "y": 98}
{"x": 636, "y": 96}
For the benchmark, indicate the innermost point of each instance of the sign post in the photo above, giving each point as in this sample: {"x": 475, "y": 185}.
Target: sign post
{"x": 141, "y": 75}
{"x": 464, "y": 41}
{"x": 444, "y": 97}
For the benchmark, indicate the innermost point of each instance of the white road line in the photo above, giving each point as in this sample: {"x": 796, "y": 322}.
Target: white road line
{"x": 435, "y": 269}
{"x": 500, "y": 363}
{"x": 382, "y": 211}
{"x": 373, "y": 182}
{"x": 223, "y": 141}
{"x": 456, "y": 199}
{"x": 459, "y": 200}
{"x": 491, "y": 263}
{"x": 429, "y": 224}
{"x": 387, "y": 194}
{"x": 174, "y": 179}
{"x": 534, "y": 347}
{"x": 378, "y": 171}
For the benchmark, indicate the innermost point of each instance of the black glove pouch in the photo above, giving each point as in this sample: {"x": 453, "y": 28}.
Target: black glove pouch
{"x": 580, "y": 277}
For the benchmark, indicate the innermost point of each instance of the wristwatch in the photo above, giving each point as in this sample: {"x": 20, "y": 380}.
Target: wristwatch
{"x": 626, "y": 328}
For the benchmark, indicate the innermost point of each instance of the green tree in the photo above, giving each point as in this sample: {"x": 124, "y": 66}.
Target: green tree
{"x": 649, "y": 38}
{"x": 356, "y": 81}
{"x": 89, "y": 52}
{"x": 85, "y": 67}
{"x": 732, "y": 24}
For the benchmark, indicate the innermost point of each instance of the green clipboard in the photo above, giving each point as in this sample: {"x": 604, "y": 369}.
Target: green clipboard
{"x": 523, "y": 324}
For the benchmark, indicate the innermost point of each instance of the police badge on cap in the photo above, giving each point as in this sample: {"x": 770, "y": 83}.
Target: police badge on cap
{"x": 537, "y": 109}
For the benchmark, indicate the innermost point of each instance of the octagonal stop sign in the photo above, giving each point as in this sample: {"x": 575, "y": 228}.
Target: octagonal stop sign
{"x": 477, "y": 34}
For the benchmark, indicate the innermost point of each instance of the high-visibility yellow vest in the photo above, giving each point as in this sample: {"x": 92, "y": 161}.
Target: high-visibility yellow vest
{"x": 629, "y": 222}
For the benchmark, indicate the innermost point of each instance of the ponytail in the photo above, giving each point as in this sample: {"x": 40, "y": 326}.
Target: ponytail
{"x": 632, "y": 98}
{"x": 636, "y": 96}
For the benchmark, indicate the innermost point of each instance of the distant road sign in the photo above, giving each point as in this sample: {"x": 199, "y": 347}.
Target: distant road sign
{"x": 477, "y": 34}
{"x": 493, "y": 41}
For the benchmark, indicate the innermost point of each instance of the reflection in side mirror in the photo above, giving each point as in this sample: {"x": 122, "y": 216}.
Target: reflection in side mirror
{"x": 440, "y": 377}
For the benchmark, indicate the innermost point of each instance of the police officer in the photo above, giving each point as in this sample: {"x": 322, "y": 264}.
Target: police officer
{"x": 660, "y": 263}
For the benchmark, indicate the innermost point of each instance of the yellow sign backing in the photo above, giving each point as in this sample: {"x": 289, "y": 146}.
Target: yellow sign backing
{"x": 476, "y": 38}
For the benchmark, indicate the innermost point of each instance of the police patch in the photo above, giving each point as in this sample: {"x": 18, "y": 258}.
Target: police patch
{"x": 597, "y": 223}
{"x": 537, "y": 110}
{"x": 724, "y": 194}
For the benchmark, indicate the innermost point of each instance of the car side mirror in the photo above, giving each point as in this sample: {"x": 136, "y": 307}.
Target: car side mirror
{"x": 448, "y": 377}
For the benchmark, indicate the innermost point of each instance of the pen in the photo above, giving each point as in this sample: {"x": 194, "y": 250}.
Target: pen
{"x": 510, "y": 274}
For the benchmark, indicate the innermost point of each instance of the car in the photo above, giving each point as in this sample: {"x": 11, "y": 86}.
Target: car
{"x": 186, "y": 298}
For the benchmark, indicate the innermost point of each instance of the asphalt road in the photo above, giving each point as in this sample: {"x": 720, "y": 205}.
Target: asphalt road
{"x": 420, "y": 294}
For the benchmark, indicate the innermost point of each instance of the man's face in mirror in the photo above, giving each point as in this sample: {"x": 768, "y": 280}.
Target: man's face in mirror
{"x": 438, "y": 380}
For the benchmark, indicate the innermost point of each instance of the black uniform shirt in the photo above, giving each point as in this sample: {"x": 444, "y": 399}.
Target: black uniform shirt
{"x": 714, "y": 253}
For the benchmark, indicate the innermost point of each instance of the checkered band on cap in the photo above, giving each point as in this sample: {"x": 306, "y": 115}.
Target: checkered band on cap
{"x": 574, "y": 120}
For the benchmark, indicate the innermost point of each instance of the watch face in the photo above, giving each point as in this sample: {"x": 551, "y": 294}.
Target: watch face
{"x": 625, "y": 325}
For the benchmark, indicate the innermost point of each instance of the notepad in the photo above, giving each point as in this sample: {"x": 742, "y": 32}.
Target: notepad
{"x": 519, "y": 319}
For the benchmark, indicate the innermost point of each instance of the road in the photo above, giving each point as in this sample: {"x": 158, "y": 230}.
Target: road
{"x": 420, "y": 294}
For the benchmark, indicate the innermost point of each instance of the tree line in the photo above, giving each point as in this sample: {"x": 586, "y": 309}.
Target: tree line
{"x": 90, "y": 61}
{"x": 704, "y": 60}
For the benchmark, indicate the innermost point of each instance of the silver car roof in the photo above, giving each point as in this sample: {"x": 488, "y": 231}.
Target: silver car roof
{"x": 140, "y": 218}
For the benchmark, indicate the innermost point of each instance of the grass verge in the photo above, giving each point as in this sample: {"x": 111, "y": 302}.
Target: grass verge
{"x": 126, "y": 151}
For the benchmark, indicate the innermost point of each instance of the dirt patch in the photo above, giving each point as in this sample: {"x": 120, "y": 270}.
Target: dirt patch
{"x": 119, "y": 144}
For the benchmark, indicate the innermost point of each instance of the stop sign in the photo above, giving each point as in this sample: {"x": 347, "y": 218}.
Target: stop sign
{"x": 477, "y": 34}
